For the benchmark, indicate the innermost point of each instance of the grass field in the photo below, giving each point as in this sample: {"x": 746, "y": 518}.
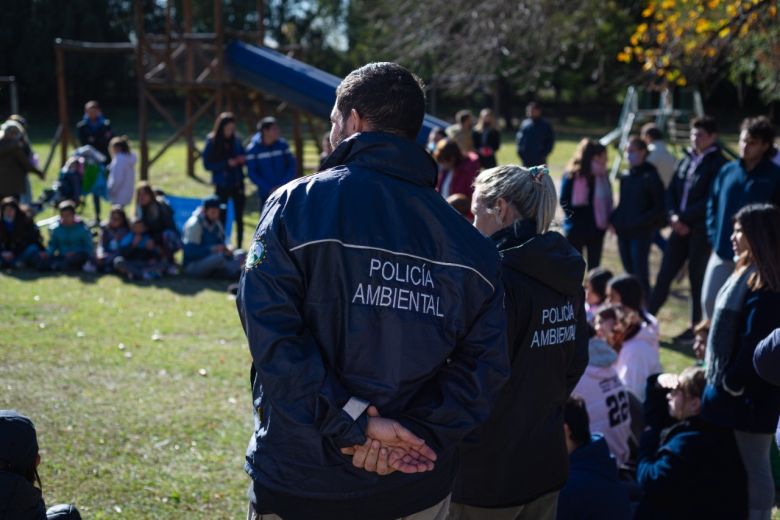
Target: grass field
{"x": 140, "y": 391}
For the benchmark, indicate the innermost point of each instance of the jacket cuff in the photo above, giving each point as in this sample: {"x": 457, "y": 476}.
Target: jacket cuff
{"x": 355, "y": 407}
{"x": 356, "y": 433}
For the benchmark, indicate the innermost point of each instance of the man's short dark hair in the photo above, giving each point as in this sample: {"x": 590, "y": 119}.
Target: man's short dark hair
{"x": 706, "y": 123}
{"x": 652, "y": 131}
{"x": 389, "y": 97}
{"x": 759, "y": 128}
{"x": 575, "y": 416}
{"x": 462, "y": 116}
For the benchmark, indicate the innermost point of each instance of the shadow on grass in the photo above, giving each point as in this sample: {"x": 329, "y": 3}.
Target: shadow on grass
{"x": 180, "y": 284}
{"x": 685, "y": 350}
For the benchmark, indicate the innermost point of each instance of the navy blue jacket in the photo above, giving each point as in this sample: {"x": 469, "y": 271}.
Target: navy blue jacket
{"x": 733, "y": 189}
{"x": 758, "y": 408}
{"x": 362, "y": 282}
{"x": 593, "y": 491}
{"x": 578, "y": 222}
{"x": 520, "y": 453}
{"x": 640, "y": 210}
{"x": 691, "y": 470}
{"x": 222, "y": 175}
{"x": 695, "y": 212}
{"x": 97, "y": 134}
{"x": 535, "y": 141}
{"x": 19, "y": 499}
{"x": 269, "y": 166}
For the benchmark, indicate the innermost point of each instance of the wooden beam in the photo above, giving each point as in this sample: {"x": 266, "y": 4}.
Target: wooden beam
{"x": 261, "y": 22}
{"x": 162, "y": 111}
{"x": 73, "y": 45}
{"x": 220, "y": 43}
{"x": 298, "y": 142}
{"x": 139, "y": 66}
{"x": 189, "y": 73}
{"x": 187, "y": 124}
{"x": 62, "y": 101}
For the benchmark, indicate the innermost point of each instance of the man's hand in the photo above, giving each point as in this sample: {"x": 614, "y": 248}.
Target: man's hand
{"x": 678, "y": 226}
{"x": 398, "y": 448}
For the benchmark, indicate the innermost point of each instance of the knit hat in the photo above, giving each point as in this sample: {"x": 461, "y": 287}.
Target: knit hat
{"x": 18, "y": 442}
{"x": 212, "y": 202}
{"x": 766, "y": 358}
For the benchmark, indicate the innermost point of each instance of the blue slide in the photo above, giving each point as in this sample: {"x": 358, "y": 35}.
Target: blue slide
{"x": 303, "y": 86}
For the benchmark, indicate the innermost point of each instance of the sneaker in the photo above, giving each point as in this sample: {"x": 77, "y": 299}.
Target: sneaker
{"x": 89, "y": 267}
{"x": 686, "y": 337}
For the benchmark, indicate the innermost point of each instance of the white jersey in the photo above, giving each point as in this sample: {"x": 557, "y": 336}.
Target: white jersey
{"x": 639, "y": 358}
{"x": 607, "y": 401}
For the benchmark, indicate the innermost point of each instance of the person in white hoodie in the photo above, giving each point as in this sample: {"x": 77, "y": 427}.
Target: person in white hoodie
{"x": 121, "y": 172}
{"x": 636, "y": 344}
{"x": 605, "y": 396}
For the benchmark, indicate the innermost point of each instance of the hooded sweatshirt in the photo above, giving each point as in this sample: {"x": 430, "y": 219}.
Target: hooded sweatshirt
{"x": 19, "y": 499}
{"x": 639, "y": 358}
{"x": 606, "y": 399}
{"x": 520, "y": 453}
{"x": 593, "y": 491}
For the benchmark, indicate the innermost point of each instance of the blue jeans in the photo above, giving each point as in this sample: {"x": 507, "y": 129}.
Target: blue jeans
{"x": 635, "y": 253}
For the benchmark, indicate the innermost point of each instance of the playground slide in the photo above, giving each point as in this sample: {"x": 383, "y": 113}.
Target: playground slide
{"x": 293, "y": 81}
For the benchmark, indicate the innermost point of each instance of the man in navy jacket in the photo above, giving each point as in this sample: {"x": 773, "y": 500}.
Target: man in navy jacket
{"x": 535, "y": 139}
{"x": 269, "y": 161}
{"x": 375, "y": 321}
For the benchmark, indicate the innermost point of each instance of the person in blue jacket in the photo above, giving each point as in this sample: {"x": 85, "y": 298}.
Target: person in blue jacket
{"x": 377, "y": 343}
{"x": 593, "y": 490}
{"x": 691, "y": 469}
{"x": 752, "y": 179}
{"x": 746, "y": 311}
{"x": 640, "y": 212}
{"x": 535, "y": 139}
{"x": 269, "y": 161}
{"x": 205, "y": 252}
{"x": 224, "y": 158}
{"x": 514, "y": 465}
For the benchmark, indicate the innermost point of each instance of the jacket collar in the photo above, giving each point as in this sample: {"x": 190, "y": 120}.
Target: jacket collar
{"x": 388, "y": 154}
{"x": 515, "y": 235}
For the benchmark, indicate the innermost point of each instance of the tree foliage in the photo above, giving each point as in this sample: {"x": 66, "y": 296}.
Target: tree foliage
{"x": 696, "y": 41}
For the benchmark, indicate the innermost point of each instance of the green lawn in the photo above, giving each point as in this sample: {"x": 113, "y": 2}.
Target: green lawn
{"x": 140, "y": 391}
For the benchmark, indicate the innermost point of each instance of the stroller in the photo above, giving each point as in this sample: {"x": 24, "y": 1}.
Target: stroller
{"x": 84, "y": 173}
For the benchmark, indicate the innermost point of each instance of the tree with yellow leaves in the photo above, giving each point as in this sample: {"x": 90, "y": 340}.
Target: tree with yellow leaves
{"x": 684, "y": 42}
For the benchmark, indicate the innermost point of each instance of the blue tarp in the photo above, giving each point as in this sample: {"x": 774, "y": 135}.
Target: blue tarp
{"x": 184, "y": 207}
{"x": 293, "y": 81}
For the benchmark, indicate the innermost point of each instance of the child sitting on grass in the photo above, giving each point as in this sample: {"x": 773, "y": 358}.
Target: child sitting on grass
{"x": 111, "y": 234}
{"x": 139, "y": 257}
{"x": 70, "y": 246}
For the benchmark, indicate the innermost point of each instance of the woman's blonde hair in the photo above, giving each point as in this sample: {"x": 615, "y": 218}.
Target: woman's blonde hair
{"x": 530, "y": 191}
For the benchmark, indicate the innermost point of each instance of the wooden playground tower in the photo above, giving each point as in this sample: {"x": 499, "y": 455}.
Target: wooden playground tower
{"x": 183, "y": 63}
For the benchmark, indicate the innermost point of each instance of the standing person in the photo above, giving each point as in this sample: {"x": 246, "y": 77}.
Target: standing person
{"x": 94, "y": 129}
{"x": 205, "y": 252}
{"x": 269, "y": 161}
{"x": 224, "y": 158}
{"x": 14, "y": 162}
{"x": 686, "y": 205}
{"x": 322, "y": 282}
{"x": 639, "y": 213}
{"x": 515, "y": 464}
{"x": 457, "y": 170}
{"x": 751, "y": 179}
{"x": 658, "y": 155}
{"x": 682, "y": 468}
{"x": 586, "y": 199}
{"x": 746, "y": 311}
{"x": 535, "y": 139}
{"x": 20, "y": 241}
{"x": 462, "y": 132}
{"x": 121, "y": 172}
{"x": 487, "y": 139}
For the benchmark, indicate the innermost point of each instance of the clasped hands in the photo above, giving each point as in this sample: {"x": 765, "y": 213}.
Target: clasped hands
{"x": 390, "y": 447}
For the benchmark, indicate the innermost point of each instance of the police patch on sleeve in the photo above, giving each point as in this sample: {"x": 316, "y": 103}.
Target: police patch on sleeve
{"x": 257, "y": 253}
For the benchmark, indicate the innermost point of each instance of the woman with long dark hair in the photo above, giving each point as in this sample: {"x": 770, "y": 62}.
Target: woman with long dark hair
{"x": 224, "y": 158}
{"x": 586, "y": 199}
{"x": 515, "y": 464}
{"x": 746, "y": 311}
{"x": 457, "y": 170}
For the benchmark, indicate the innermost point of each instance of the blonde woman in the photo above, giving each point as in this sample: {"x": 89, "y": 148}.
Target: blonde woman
{"x": 515, "y": 464}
